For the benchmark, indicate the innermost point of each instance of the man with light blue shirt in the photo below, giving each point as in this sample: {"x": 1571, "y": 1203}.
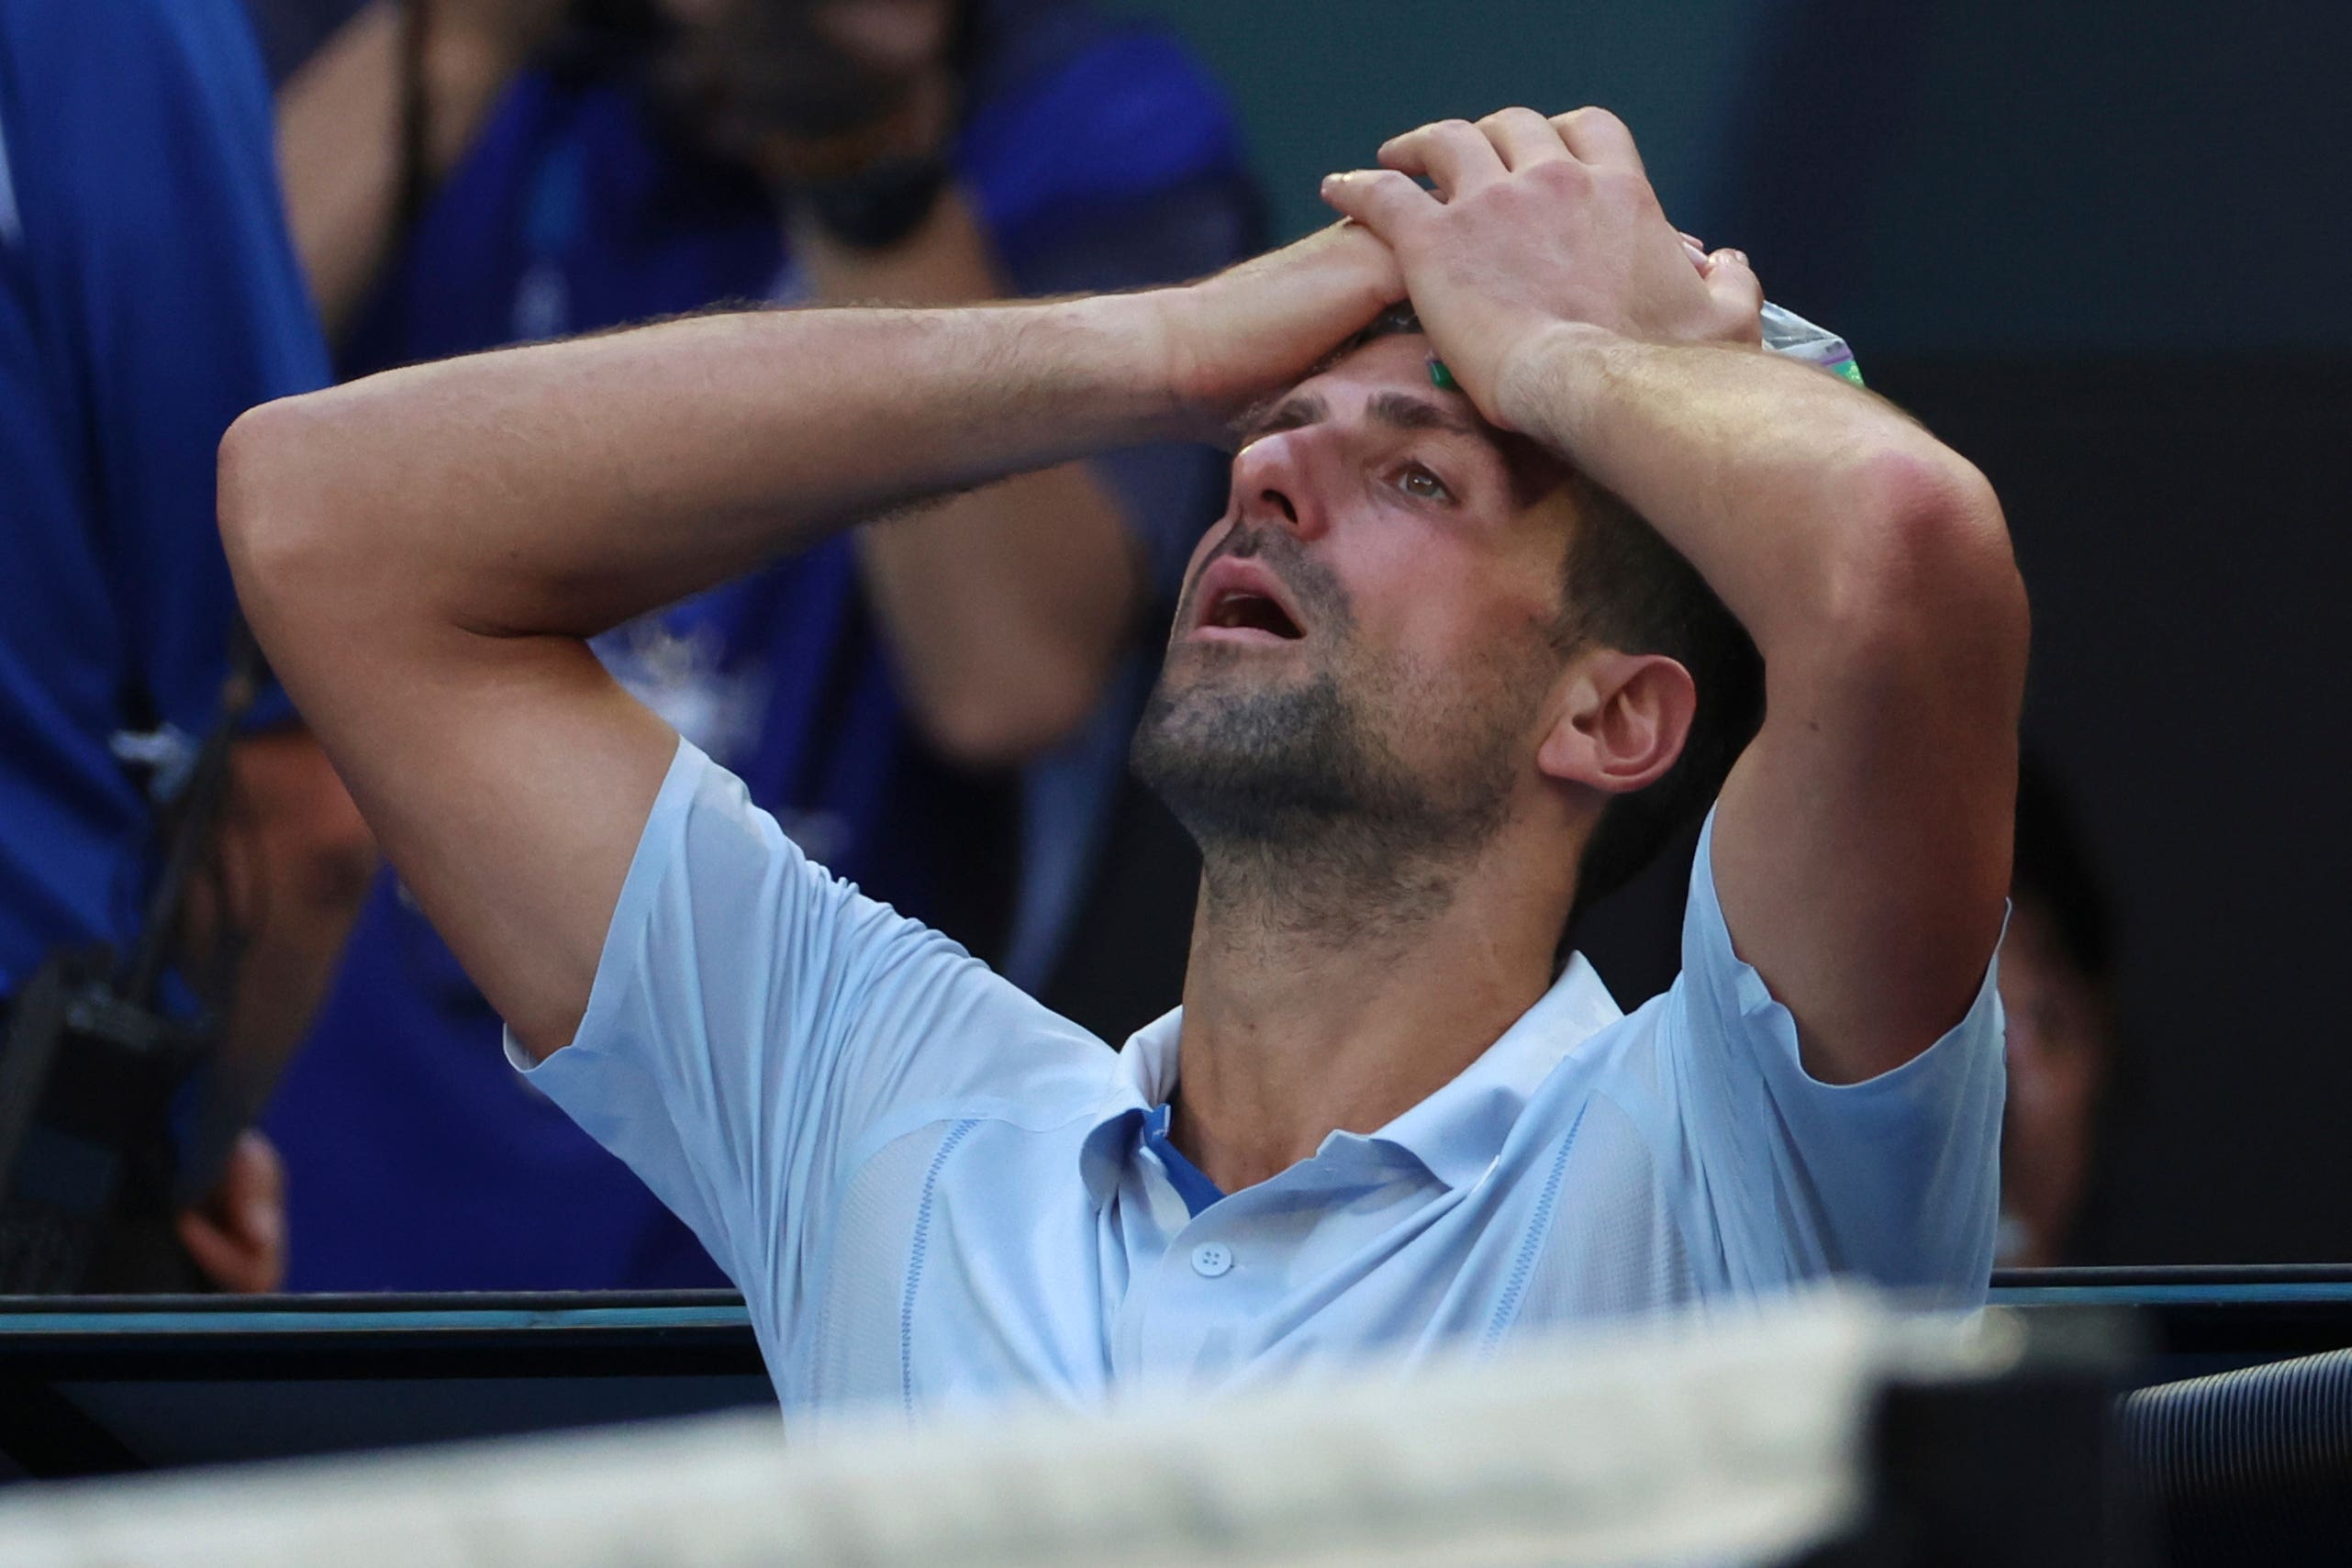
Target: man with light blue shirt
{"x": 1473, "y": 632}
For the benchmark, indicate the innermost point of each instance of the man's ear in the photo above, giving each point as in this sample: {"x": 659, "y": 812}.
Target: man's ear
{"x": 1621, "y": 721}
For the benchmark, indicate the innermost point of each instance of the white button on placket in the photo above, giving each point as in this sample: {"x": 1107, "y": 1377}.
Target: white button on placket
{"x": 1211, "y": 1259}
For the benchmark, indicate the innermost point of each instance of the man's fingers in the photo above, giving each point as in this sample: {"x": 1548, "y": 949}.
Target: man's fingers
{"x": 1380, "y": 199}
{"x": 1599, "y": 138}
{"x": 1523, "y": 138}
{"x": 1738, "y": 290}
{"x": 1452, "y": 154}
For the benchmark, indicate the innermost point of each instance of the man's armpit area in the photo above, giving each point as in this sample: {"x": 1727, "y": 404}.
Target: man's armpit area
{"x": 624, "y": 951}
{"x": 1724, "y": 983}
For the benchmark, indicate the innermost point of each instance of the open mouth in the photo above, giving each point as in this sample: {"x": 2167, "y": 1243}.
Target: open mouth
{"x": 1241, "y": 610}
{"x": 1243, "y": 602}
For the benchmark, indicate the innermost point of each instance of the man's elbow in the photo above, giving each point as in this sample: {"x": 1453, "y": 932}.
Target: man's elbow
{"x": 268, "y": 527}
{"x": 1931, "y": 583}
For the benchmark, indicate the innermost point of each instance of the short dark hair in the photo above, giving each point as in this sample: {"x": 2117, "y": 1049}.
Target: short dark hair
{"x": 1624, "y": 587}
{"x": 1627, "y": 588}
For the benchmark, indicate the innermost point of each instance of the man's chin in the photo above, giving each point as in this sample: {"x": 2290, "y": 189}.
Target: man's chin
{"x": 1241, "y": 747}
{"x": 1233, "y": 665}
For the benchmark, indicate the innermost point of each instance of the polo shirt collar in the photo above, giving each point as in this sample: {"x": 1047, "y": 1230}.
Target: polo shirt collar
{"x": 1142, "y": 1075}
{"x": 1455, "y": 1133}
{"x": 1459, "y": 1130}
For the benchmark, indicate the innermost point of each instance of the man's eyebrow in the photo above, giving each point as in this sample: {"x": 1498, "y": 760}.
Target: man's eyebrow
{"x": 1298, "y": 409}
{"x": 1397, "y": 410}
{"x": 1402, "y": 411}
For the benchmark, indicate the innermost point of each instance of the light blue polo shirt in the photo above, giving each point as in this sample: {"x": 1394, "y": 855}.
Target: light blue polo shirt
{"x": 934, "y": 1192}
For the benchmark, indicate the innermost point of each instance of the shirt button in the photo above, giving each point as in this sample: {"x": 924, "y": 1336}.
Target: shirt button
{"x": 1211, "y": 1259}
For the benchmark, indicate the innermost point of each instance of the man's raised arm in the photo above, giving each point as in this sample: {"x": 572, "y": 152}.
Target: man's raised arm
{"x": 423, "y": 552}
{"x": 1862, "y": 842}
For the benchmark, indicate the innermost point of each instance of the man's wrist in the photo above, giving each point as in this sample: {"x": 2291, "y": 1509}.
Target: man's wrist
{"x": 1135, "y": 336}
{"x": 1547, "y": 376}
{"x": 1098, "y": 361}
{"x": 1171, "y": 342}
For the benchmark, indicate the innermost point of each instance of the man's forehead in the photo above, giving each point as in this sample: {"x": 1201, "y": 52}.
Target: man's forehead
{"x": 1388, "y": 379}
{"x": 1403, "y": 358}
{"x": 1387, "y": 382}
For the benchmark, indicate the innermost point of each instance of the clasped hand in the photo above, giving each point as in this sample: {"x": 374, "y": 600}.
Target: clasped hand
{"x": 1528, "y": 226}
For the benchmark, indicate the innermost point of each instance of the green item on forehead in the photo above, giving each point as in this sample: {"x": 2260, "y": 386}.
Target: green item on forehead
{"x": 1442, "y": 378}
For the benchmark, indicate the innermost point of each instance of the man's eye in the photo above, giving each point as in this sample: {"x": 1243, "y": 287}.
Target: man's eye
{"x": 1420, "y": 481}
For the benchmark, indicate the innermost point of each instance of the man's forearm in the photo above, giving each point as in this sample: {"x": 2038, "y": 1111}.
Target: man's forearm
{"x": 1797, "y": 496}
{"x": 567, "y": 487}
{"x": 1005, "y": 608}
{"x": 420, "y": 552}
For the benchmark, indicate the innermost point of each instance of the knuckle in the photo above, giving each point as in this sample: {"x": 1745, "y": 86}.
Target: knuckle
{"x": 1390, "y": 195}
{"x": 1563, "y": 177}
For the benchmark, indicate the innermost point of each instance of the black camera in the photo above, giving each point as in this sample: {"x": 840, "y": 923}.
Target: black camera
{"x": 88, "y": 1179}
{"x": 93, "y": 1066}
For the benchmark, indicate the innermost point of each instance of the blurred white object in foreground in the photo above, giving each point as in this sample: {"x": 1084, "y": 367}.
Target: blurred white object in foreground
{"x": 1736, "y": 1437}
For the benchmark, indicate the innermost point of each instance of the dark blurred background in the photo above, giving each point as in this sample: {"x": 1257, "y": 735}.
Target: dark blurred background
{"x": 2099, "y": 248}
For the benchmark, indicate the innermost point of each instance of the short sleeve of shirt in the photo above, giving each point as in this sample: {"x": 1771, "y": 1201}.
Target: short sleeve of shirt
{"x": 1895, "y": 1179}
{"x": 753, "y": 1016}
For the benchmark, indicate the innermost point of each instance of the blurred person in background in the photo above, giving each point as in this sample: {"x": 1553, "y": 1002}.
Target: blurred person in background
{"x": 940, "y": 701}
{"x": 2065, "y": 1075}
{"x": 148, "y": 296}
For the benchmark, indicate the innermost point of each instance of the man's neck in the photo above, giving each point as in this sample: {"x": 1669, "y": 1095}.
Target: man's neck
{"x": 1319, "y": 1001}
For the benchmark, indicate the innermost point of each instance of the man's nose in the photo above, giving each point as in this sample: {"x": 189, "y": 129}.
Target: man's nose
{"x": 1273, "y": 485}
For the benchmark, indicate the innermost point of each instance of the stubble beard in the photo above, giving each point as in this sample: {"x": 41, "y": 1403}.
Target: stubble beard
{"x": 1309, "y": 821}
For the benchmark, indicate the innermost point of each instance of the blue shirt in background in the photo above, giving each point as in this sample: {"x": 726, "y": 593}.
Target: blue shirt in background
{"x": 148, "y": 296}
{"x": 936, "y": 1192}
{"x": 1097, "y": 157}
